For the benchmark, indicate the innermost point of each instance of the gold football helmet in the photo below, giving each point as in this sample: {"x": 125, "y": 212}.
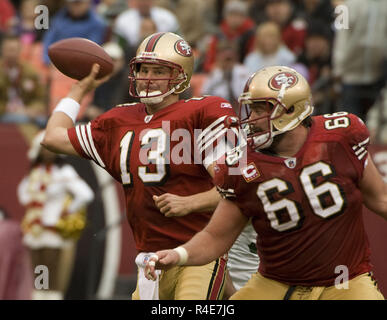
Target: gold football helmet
{"x": 165, "y": 49}
{"x": 288, "y": 97}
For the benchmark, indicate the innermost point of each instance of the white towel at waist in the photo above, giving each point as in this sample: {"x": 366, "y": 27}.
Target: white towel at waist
{"x": 148, "y": 289}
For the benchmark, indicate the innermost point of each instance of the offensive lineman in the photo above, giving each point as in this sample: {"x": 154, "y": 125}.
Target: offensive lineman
{"x": 304, "y": 185}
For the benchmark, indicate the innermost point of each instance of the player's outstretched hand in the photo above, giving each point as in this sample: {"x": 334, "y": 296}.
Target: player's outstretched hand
{"x": 172, "y": 205}
{"x": 164, "y": 259}
{"x": 84, "y": 86}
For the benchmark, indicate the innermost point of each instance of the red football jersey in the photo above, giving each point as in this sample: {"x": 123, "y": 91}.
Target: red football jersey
{"x": 307, "y": 210}
{"x": 154, "y": 154}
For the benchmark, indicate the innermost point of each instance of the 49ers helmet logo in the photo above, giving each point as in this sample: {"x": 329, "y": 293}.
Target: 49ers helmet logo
{"x": 281, "y": 78}
{"x": 183, "y": 48}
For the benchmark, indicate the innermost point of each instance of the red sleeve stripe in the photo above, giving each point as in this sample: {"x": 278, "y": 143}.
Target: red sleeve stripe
{"x": 86, "y": 142}
{"x": 212, "y": 155}
{"x": 361, "y": 156}
{"x": 80, "y": 139}
{"x": 361, "y": 151}
{"x": 85, "y": 139}
{"x": 94, "y": 150}
{"x": 214, "y": 136}
{"x": 213, "y": 132}
{"x": 366, "y": 141}
{"x": 207, "y": 130}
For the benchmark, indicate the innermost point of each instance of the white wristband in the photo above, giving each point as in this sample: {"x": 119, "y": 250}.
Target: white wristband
{"x": 68, "y": 106}
{"x": 183, "y": 255}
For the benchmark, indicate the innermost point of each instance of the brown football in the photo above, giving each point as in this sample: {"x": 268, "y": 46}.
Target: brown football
{"x": 74, "y": 57}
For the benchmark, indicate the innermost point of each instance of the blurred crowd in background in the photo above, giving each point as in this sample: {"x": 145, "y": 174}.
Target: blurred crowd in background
{"x": 339, "y": 46}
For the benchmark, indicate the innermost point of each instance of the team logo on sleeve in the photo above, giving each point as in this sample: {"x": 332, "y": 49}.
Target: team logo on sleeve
{"x": 360, "y": 149}
{"x": 250, "y": 172}
{"x": 183, "y": 48}
{"x": 283, "y": 78}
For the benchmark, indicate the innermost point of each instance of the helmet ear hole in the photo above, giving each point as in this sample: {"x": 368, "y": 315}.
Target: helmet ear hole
{"x": 290, "y": 110}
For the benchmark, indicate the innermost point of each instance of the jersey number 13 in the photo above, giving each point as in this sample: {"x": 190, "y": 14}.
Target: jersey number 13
{"x": 156, "y": 156}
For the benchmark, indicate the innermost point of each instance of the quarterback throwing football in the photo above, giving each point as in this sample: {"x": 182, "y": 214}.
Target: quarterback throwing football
{"x": 159, "y": 147}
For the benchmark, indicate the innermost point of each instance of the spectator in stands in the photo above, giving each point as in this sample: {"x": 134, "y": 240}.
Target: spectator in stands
{"x": 53, "y": 6}
{"x": 24, "y": 24}
{"x": 359, "y": 54}
{"x": 317, "y": 9}
{"x": 147, "y": 27}
{"x": 210, "y": 17}
{"x": 115, "y": 90}
{"x": 269, "y": 49}
{"x": 110, "y": 9}
{"x": 228, "y": 77}
{"x": 237, "y": 27}
{"x": 128, "y": 24}
{"x": 55, "y": 198}
{"x": 7, "y": 15}
{"x": 16, "y": 281}
{"x": 77, "y": 19}
{"x": 257, "y": 11}
{"x": 293, "y": 27}
{"x": 189, "y": 13}
{"x": 317, "y": 58}
{"x": 22, "y": 95}
{"x": 31, "y": 37}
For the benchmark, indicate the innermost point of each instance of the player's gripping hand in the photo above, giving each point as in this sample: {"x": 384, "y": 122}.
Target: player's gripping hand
{"x": 172, "y": 205}
{"x": 164, "y": 259}
{"x": 84, "y": 86}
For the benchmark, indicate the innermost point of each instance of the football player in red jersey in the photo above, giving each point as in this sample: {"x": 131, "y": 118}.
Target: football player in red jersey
{"x": 303, "y": 185}
{"x": 160, "y": 146}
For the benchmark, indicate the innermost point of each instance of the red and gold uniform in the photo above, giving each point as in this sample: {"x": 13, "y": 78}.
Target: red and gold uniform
{"x": 155, "y": 154}
{"x": 307, "y": 210}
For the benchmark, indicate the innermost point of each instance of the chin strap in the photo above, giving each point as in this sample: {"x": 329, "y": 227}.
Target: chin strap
{"x": 155, "y": 100}
{"x": 149, "y": 99}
